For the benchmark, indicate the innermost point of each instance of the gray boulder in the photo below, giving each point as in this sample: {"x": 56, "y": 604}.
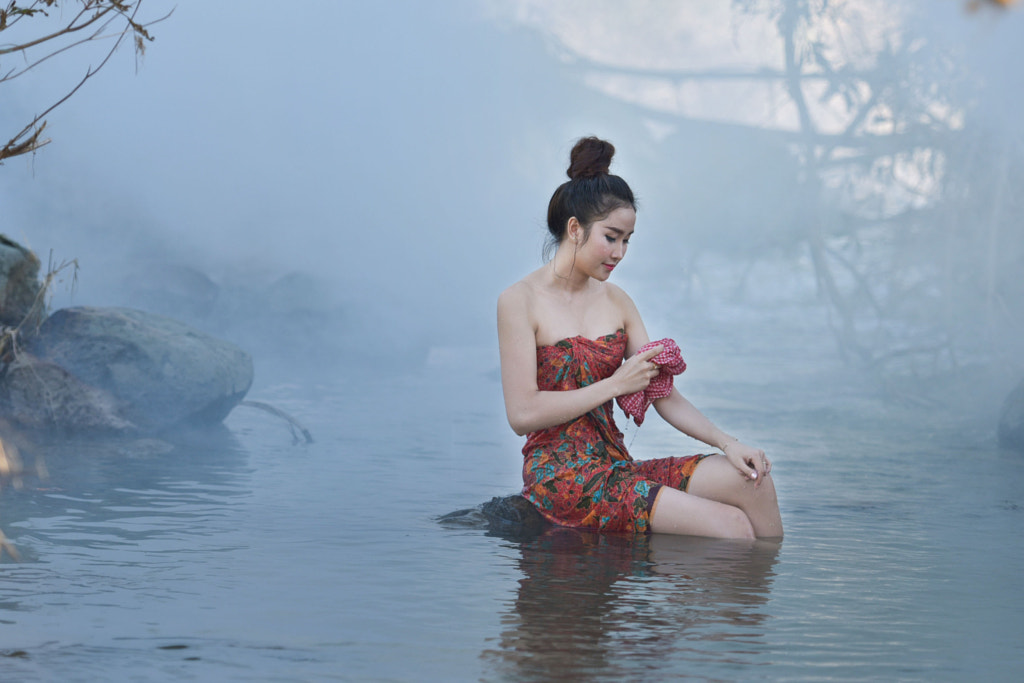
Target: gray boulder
{"x": 1011, "y": 421}
{"x": 43, "y": 396}
{"x": 19, "y": 284}
{"x": 150, "y": 371}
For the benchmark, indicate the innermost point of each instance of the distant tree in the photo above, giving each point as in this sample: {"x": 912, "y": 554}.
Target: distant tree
{"x": 887, "y": 173}
{"x": 909, "y": 213}
{"x": 39, "y": 30}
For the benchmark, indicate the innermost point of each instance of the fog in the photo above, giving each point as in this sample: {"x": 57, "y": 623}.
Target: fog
{"x": 367, "y": 177}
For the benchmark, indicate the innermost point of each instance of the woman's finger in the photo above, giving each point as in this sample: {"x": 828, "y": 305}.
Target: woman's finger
{"x": 651, "y": 353}
{"x": 762, "y": 465}
{"x": 747, "y": 469}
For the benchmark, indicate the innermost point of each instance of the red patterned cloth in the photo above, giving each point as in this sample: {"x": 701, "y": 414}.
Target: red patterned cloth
{"x": 580, "y": 474}
{"x": 671, "y": 362}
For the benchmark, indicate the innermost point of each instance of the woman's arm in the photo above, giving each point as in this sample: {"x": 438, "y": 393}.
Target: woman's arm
{"x": 681, "y": 414}
{"x": 529, "y": 409}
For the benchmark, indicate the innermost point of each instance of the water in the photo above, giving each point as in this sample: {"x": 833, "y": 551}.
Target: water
{"x": 241, "y": 555}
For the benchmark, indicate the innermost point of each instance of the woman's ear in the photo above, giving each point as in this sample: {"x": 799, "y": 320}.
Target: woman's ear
{"x": 573, "y": 230}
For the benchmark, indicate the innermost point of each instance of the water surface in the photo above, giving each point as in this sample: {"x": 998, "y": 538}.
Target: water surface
{"x": 242, "y": 555}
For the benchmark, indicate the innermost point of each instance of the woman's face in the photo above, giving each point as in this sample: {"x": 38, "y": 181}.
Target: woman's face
{"x": 606, "y": 244}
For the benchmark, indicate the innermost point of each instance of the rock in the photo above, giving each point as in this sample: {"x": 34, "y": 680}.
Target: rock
{"x": 510, "y": 517}
{"x": 179, "y": 291}
{"x": 43, "y": 396}
{"x": 514, "y": 512}
{"x": 102, "y": 370}
{"x": 1011, "y": 421}
{"x": 19, "y": 284}
{"x": 158, "y": 372}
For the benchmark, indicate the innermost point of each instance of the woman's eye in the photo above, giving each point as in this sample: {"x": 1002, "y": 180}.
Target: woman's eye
{"x": 611, "y": 240}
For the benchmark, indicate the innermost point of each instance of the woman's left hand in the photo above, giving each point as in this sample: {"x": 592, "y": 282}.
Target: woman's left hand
{"x": 751, "y": 462}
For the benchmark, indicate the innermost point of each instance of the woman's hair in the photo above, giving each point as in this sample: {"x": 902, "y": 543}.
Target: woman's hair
{"x": 591, "y": 193}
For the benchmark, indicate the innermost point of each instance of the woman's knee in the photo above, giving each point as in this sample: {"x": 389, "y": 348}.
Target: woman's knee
{"x": 722, "y": 482}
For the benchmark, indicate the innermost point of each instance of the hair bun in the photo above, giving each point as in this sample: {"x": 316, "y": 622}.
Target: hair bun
{"x": 590, "y": 157}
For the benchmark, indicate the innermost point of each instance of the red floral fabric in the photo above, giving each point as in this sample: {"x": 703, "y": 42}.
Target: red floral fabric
{"x": 579, "y": 474}
{"x": 670, "y": 361}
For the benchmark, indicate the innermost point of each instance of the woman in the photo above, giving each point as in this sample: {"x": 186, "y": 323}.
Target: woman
{"x": 563, "y": 332}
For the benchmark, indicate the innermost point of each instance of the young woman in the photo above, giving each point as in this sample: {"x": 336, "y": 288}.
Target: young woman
{"x": 564, "y": 331}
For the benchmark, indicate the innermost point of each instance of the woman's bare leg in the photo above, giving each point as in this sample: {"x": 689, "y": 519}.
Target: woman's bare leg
{"x": 719, "y": 502}
{"x": 676, "y": 512}
{"x": 716, "y": 479}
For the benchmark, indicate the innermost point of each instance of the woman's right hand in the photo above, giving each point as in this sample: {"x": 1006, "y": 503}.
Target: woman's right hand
{"x": 637, "y": 372}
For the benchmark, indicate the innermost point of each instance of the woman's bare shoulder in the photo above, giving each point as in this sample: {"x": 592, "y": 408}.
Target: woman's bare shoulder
{"x": 516, "y": 302}
{"x": 619, "y": 297}
{"x": 516, "y": 295}
{"x": 515, "y": 315}
{"x": 519, "y": 293}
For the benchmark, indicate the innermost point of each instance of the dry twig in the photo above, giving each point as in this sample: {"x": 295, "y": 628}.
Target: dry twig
{"x": 293, "y": 424}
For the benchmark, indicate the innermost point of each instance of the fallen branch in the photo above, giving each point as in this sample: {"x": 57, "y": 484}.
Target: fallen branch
{"x": 293, "y": 424}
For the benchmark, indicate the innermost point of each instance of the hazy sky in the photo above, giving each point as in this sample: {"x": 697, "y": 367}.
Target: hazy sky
{"x": 401, "y": 153}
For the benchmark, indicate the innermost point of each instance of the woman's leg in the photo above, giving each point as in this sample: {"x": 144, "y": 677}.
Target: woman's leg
{"x": 718, "y": 502}
{"x": 677, "y": 512}
{"x": 716, "y": 479}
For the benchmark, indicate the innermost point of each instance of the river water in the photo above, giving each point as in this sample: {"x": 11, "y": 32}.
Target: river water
{"x": 245, "y": 555}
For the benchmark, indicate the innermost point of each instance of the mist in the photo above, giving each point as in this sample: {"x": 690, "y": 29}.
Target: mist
{"x": 361, "y": 180}
{"x": 830, "y": 225}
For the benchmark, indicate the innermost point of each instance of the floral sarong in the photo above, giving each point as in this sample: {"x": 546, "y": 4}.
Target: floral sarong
{"x": 579, "y": 474}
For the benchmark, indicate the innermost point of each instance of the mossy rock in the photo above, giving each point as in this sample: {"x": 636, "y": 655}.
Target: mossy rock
{"x": 20, "y": 287}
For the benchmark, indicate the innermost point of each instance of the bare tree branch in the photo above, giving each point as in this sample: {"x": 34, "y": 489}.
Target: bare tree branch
{"x": 97, "y": 15}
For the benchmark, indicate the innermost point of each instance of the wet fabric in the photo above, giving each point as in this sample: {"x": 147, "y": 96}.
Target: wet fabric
{"x": 670, "y": 362}
{"x": 579, "y": 474}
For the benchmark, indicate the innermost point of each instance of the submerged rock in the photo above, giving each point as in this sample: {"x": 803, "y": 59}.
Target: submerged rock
{"x": 149, "y": 371}
{"x": 1011, "y": 421}
{"x": 511, "y": 517}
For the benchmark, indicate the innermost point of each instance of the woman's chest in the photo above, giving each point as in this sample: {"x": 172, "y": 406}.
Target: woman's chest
{"x": 591, "y": 317}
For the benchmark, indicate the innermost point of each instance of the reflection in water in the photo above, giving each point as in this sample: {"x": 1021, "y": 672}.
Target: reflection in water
{"x": 98, "y": 494}
{"x": 613, "y": 605}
